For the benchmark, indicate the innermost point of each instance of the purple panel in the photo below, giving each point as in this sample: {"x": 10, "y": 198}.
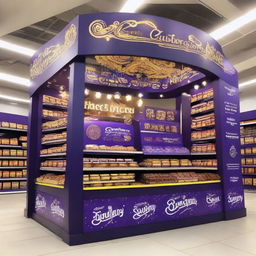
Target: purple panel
{"x": 51, "y": 207}
{"x": 103, "y": 76}
{"x": 13, "y": 118}
{"x": 248, "y": 115}
{"x": 101, "y": 214}
{"x": 226, "y": 101}
{"x": 108, "y": 133}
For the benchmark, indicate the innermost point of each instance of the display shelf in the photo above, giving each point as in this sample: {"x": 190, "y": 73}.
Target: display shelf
{"x": 107, "y": 181}
{"x": 201, "y": 101}
{"x": 54, "y": 142}
{"x": 249, "y": 123}
{"x": 245, "y": 155}
{"x": 12, "y": 167}
{"x": 249, "y": 165}
{"x": 54, "y": 129}
{"x": 203, "y": 112}
{"x": 49, "y": 105}
{"x": 248, "y": 145}
{"x": 203, "y": 128}
{"x": 109, "y": 169}
{"x": 153, "y": 185}
{"x": 53, "y": 155}
{"x": 3, "y": 129}
{"x": 166, "y": 154}
{"x": 13, "y": 157}
{"x": 249, "y": 174}
{"x": 2, "y": 192}
{"x": 203, "y": 139}
{"x": 10, "y": 146}
{"x": 203, "y": 154}
{"x": 12, "y": 179}
{"x": 112, "y": 152}
{"x": 49, "y": 185}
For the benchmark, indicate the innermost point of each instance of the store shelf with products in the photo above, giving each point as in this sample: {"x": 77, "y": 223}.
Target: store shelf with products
{"x": 110, "y": 151}
{"x": 248, "y": 146}
{"x": 13, "y": 129}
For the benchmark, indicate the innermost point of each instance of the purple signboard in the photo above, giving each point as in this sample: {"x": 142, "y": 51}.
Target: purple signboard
{"x": 160, "y": 114}
{"x": 100, "y": 75}
{"x": 160, "y": 126}
{"x": 226, "y": 99}
{"x": 102, "y": 214}
{"x": 108, "y": 133}
{"x": 51, "y": 207}
{"x": 160, "y": 139}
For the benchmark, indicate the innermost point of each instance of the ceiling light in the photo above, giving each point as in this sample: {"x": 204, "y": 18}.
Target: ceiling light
{"x": 97, "y": 95}
{"x": 132, "y": 5}
{"x": 161, "y": 95}
{"x": 5, "y": 97}
{"x": 109, "y": 96}
{"x": 117, "y": 96}
{"x": 204, "y": 83}
{"x": 196, "y": 86}
{"x": 128, "y": 97}
{"x": 14, "y": 79}
{"x": 140, "y": 102}
{"x": 234, "y": 25}
{"x": 16, "y": 48}
{"x": 140, "y": 95}
{"x": 253, "y": 81}
{"x": 86, "y": 92}
{"x": 188, "y": 81}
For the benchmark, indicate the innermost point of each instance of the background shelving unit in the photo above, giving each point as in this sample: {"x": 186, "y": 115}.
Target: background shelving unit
{"x": 15, "y": 184}
{"x": 248, "y": 141}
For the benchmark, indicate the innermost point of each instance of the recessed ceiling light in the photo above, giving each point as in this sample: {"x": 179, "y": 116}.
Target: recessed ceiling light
{"x": 14, "y": 79}
{"x": 234, "y": 25}
{"x": 140, "y": 95}
{"x": 204, "y": 83}
{"x": 161, "y": 95}
{"x": 86, "y": 92}
{"x": 132, "y": 5}
{"x": 109, "y": 96}
{"x": 5, "y": 97}
{"x": 117, "y": 96}
{"x": 98, "y": 95}
{"x": 196, "y": 86}
{"x": 16, "y": 48}
{"x": 128, "y": 97}
{"x": 140, "y": 102}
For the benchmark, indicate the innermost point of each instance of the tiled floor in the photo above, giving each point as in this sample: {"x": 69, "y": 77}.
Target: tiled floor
{"x": 24, "y": 237}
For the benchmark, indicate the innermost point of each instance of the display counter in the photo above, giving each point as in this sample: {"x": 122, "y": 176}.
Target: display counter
{"x": 104, "y": 164}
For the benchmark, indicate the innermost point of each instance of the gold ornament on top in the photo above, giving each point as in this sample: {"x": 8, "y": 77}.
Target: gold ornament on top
{"x": 129, "y": 30}
{"x": 53, "y": 52}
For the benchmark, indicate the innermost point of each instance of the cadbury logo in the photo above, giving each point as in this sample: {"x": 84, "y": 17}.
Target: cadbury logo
{"x": 233, "y": 198}
{"x": 180, "y": 204}
{"x": 99, "y": 216}
{"x": 143, "y": 210}
{"x": 212, "y": 199}
{"x": 40, "y": 202}
{"x": 56, "y": 209}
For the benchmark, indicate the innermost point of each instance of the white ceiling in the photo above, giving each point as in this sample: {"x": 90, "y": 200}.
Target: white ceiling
{"x": 30, "y": 23}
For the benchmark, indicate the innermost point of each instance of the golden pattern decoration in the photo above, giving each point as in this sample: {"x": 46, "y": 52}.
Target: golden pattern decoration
{"x": 143, "y": 66}
{"x": 128, "y": 30}
{"x": 52, "y": 53}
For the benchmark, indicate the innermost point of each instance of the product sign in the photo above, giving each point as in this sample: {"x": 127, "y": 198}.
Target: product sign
{"x": 101, "y": 214}
{"x": 160, "y": 114}
{"x": 101, "y": 75}
{"x": 108, "y": 133}
{"x": 50, "y": 207}
{"x": 227, "y": 99}
{"x": 159, "y": 126}
{"x": 161, "y": 139}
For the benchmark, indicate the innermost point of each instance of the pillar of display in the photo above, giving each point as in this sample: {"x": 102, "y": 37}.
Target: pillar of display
{"x": 101, "y": 167}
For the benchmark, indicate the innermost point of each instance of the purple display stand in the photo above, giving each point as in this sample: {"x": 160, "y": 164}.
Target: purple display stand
{"x": 81, "y": 216}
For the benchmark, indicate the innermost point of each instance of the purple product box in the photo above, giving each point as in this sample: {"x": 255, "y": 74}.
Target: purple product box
{"x": 108, "y": 133}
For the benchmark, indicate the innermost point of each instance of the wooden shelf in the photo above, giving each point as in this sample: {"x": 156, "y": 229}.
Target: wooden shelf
{"x": 54, "y": 129}
{"x": 12, "y": 179}
{"x": 10, "y": 146}
{"x": 54, "y": 142}
{"x": 13, "y": 157}
{"x": 2, "y": 192}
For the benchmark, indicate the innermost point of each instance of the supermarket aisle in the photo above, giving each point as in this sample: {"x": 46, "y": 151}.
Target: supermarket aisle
{"x": 24, "y": 237}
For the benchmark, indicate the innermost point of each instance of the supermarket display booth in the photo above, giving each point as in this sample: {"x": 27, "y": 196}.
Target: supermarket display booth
{"x": 248, "y": 148}
{"x": 132, "y": 54}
